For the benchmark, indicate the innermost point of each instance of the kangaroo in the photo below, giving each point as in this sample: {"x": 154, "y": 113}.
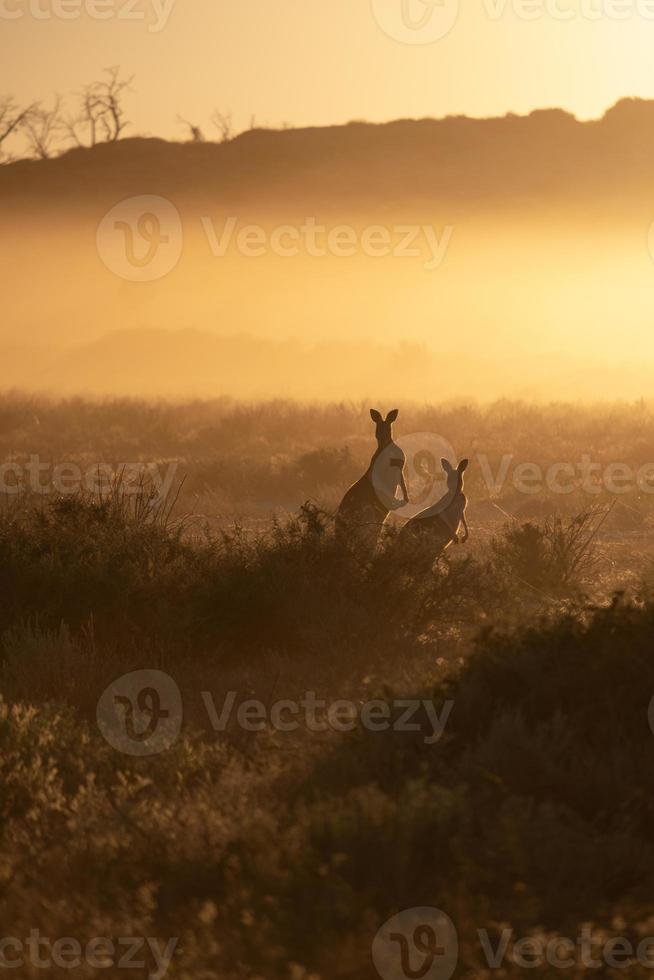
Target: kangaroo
{"x": 367, "y": 504}
{"x": 441, "y": 521}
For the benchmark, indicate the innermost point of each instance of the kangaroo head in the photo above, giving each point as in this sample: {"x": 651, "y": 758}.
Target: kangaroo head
{"x": 454, "y": 476}
{"x": 383, "y": 426}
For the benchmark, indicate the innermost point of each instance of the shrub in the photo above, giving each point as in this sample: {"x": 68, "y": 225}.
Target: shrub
{"x": 554, "y": 557}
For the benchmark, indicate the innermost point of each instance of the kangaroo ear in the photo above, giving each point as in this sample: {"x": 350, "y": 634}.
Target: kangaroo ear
{"x": 447, "y": 466}
{"x": 375, "y": 416}
{"x": 463, "y": 465}
{"x": 393, "y": 415}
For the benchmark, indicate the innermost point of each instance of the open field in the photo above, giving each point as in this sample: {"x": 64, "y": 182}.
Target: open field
{"x": 326, "y": 490}
{"x": 522, "y": 796}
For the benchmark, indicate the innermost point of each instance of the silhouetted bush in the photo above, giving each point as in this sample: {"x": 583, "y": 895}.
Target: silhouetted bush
{"x": 279, "y": 855}
{"x": 535, "y": 809}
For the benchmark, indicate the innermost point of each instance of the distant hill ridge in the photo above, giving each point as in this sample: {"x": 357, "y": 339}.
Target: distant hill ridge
{"x": 189, "y": 362}
{"x": 533, "y": 159}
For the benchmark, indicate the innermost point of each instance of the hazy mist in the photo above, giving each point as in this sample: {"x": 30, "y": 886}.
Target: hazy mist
{"x": 422, "y": 259}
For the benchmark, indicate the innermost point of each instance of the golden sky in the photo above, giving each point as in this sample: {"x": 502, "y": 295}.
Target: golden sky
{"x": 315, "y": 62}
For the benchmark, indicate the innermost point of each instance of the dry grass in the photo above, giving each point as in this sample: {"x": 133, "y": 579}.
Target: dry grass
{"x": 278, "y": 855}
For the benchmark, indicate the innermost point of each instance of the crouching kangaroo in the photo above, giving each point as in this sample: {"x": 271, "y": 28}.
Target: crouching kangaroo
{"x": 440, "y": 523}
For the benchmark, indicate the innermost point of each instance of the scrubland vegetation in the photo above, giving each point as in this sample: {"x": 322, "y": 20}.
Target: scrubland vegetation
{"x": 279, "y": 855}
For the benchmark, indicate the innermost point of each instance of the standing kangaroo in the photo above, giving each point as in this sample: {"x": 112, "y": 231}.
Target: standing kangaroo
{"x": 440, "y": 522}
{"x": 366, "y": 505}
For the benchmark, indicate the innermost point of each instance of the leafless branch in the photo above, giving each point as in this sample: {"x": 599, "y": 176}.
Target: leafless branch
{"x": 101, "y": 117}
{"x": 12, "y": 117}
{"x": 42, "y": 128}
{"x": 223, "y": 123}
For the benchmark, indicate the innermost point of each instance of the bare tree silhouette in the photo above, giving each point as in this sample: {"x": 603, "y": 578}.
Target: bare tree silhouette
{"x": 12, "y": 117}
{"x": 101, "y": 117}
{"x": 223, "y": 123}
{"x": 42, "y": 128}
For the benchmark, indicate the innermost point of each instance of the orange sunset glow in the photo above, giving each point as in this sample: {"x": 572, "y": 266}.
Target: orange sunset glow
{"x": 327, "y": 489}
